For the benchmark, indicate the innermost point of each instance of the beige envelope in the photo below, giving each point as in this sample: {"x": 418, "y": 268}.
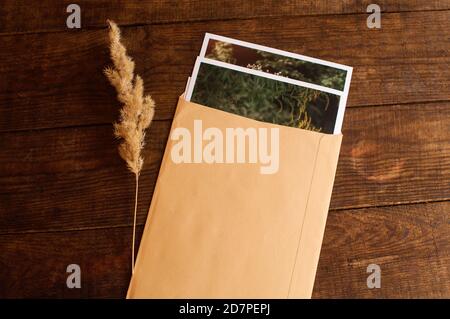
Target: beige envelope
{"x": 228, "y": 231}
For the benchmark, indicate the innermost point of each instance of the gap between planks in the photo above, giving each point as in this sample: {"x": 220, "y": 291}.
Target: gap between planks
{"x": 100, "y": 124}
{"x": 139, "y": 225}
{"x": 260, "y": 17}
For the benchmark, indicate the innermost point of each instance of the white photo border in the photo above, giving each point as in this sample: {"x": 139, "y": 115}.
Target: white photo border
{"x": 211, "y": 36}
{"x": 200, "y": 60}
{"x": 343, "y": 93}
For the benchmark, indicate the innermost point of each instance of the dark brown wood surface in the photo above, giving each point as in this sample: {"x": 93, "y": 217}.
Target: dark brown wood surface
{"x": 66, "y": 196}
{"x": 406, "y": 61}
{"x": 50, "y": 15}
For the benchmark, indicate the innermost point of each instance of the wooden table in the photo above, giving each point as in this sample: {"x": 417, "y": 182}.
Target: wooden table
{"x": 67, "y": 198}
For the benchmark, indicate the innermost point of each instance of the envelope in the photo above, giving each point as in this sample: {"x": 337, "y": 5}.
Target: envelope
{"x": 221, "y": 230}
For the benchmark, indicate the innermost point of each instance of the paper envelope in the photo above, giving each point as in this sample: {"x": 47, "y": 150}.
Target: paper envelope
{"x": 225, "y": 230}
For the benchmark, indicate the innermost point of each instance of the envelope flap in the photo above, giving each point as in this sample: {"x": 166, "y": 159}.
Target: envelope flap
{"x": 313, "y": 226}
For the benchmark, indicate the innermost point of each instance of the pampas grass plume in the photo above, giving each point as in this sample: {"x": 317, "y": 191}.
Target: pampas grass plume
{"x": 137, "y": 110}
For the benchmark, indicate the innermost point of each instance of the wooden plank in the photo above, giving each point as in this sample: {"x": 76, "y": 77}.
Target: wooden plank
{"x": 61, "y": 83}
{"x": 392, "y": 155}
{"x": 50, "y": 15}
{"x": 73, "y": 178}
{"x": 410, "y": 243}
{"x": 34, "y": 265}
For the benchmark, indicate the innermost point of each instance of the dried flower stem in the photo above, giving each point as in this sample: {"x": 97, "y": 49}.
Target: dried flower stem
{"x": 134, "y": 222}
{"x": 136, "y": 113}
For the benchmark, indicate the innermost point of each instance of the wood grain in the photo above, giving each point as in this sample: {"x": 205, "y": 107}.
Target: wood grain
{"x": 394, "y": 154}
{"x": 50, "y": 15}
{"x": 73, "y": 178}
{"x": 61, "y": 83}
{"x": 34, "y": 265}
{"x": 66, "y": 196}
{"x": 409, "y": 242}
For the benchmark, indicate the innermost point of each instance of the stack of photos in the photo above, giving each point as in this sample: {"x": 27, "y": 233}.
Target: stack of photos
{"x": 270, "y": 85}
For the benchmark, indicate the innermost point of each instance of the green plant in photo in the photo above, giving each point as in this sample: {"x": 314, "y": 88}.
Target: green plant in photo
{"x": 293, "y": 68}
{"x": 264, "y": 99}
{"x": 302, "y": 70}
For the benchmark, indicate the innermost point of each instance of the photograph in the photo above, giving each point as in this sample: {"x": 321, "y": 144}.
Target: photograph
{"x": 261, "y": 98}
{"x": 286, "y": 64}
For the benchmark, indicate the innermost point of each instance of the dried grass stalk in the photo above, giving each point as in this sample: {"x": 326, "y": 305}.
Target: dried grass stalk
{"x": 136, "y": 114}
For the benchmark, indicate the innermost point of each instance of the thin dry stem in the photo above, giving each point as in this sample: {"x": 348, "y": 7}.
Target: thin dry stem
{"x": 134, "y": 222}
{"x": 137, "y": 110}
